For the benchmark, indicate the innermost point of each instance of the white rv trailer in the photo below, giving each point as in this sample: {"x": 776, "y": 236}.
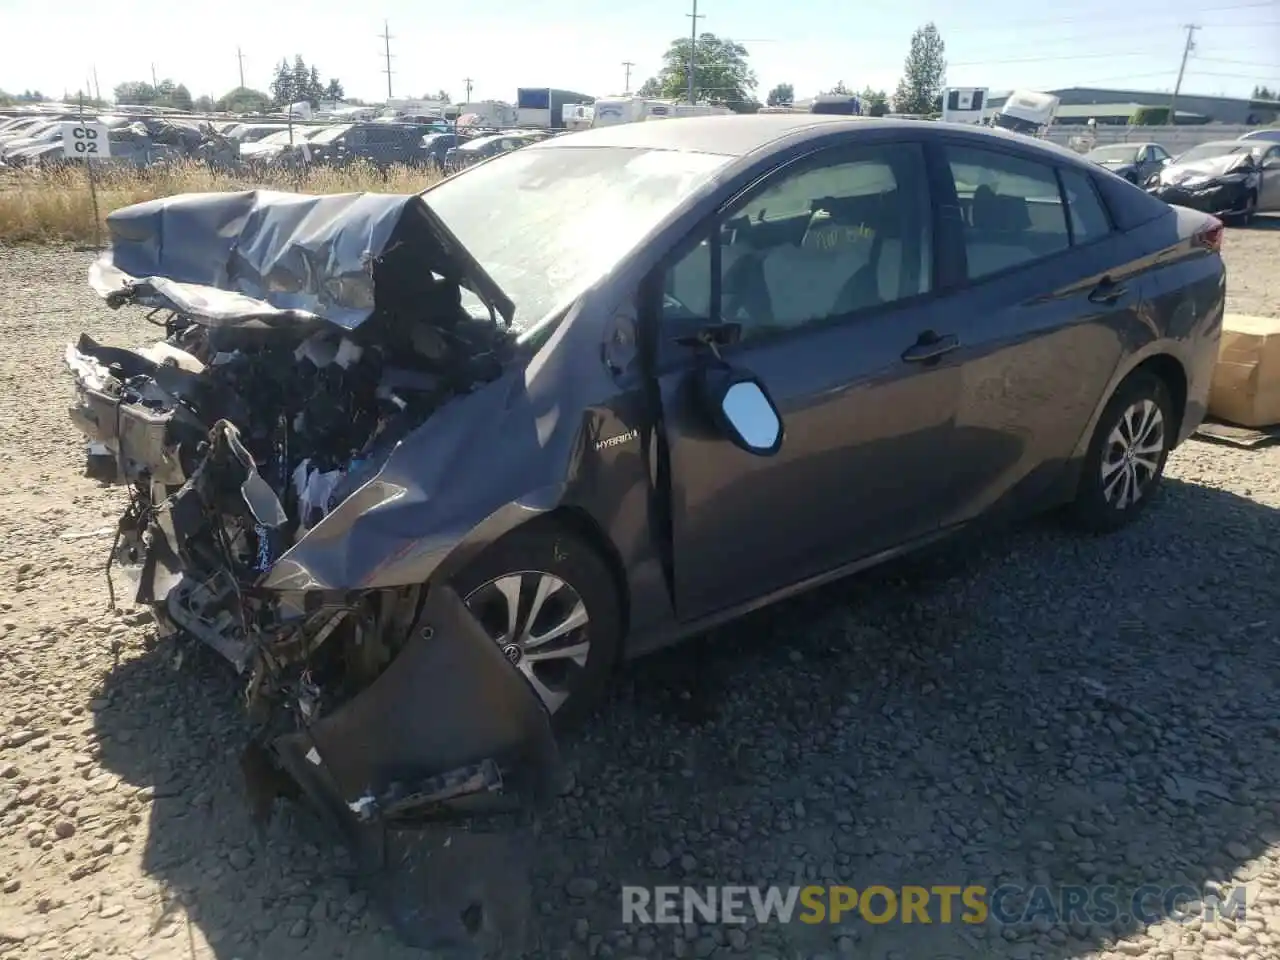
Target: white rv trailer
{"x": 963, "y": 104}
{"x": 611, "y": 110}
{"x": 1028, "y": 112}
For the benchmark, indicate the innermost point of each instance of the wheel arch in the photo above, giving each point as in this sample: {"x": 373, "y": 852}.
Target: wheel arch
{"x": 1157, "y": 361}
{"x": 576, "y": 522}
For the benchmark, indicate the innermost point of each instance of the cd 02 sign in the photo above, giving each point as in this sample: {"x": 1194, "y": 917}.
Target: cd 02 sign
{"x": 86, "y": 139}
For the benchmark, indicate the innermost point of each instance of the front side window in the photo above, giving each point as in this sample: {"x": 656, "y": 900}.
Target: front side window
{"x": 1012, "y": 208}
{"x": 826, "y": 239}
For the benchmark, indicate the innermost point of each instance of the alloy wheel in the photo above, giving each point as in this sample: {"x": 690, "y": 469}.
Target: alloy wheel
{"x": 540, "y": 622}
{"x": 1131, "y": 457}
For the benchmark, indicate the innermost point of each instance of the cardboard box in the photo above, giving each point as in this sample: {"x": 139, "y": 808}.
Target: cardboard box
{"x": 1246, "y": 378}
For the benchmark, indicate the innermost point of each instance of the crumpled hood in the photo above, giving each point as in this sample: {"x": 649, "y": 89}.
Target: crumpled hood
{"x": 224, "y": 258}
{"x": 1209, "y": 167}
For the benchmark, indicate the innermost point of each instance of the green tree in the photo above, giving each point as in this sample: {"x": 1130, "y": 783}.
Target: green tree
{"x": 203, "y": 104}
{"x": 135, "y": 92}
{"x": 922, "y": 73}
{"x": 839, "y": 90}
{"x": 243, "y": 100}
{"x": 1261, "y": 92}
{"x": 721, "y": 74}
{"x": 875, "y": 103}
{"x": 1150, "y": 117}
{"x": 301, "y": 78}
{"x": 6, "y": 99}
{"x": 783, "y": 95}
{"x": 282, "y": 85}
{"x": 441, "y": 94}
{"x": 31, "y": 96}
{"x": 334, "y": 90}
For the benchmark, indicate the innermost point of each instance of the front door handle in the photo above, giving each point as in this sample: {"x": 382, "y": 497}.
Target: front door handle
{"x": 1107, "y": 291}
{"x": 930, "y": 346}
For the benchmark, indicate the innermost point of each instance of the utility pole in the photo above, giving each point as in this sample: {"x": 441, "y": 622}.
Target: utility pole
{"x": 240, "y": 60}
{"x": 1177, "y": 87}
{"x": 467, "y": 83}
{"x": 97, "y": 90}
{"x": 154, "y": 84}
{"x": 386, "y": 45}
{"x": 627, "y": 65}
{"x": 693, "y": 47}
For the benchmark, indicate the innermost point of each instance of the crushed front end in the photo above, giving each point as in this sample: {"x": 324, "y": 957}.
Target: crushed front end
{"x": 239, "y": 431}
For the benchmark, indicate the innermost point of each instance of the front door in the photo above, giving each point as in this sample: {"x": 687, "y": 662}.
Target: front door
{"x": 827, "y": 267}
{"x": 1269, "y": 190}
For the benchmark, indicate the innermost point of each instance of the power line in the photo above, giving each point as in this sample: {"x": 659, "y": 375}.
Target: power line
{"x": 386, "y": 46}
{"x": 1237, "y": 63}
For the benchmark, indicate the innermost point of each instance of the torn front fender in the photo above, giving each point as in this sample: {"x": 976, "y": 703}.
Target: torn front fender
{"x": 450, "y": 729}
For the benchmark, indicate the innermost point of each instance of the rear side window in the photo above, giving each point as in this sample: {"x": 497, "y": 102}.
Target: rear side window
{"x": 1088, "y": 218}
{"x": 1013, "y": 212}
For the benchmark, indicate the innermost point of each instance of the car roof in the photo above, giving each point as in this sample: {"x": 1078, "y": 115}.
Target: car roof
{"x": 736, "y": 135}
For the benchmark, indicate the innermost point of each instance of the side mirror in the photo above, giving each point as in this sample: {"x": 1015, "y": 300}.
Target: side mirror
{"x": 742, "y": 409}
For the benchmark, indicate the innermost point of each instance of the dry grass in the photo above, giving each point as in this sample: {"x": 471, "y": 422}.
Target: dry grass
{"x": 43, "y": 207}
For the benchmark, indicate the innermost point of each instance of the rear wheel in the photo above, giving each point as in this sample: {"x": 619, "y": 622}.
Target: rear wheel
{"x": 546, "y": 597}
{"x": 1125, "y": 462}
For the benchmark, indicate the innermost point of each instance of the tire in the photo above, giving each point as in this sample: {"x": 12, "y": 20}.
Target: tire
{"x": 1246, "y": 216}
{"x": 546, "y": 548}
{"x": 1099, "y": 506}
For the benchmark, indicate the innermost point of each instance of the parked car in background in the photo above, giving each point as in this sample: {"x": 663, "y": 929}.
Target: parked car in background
{"x": 482, "y": 148}
{"x": 435, "y": 146}
{"x": 1271, "y": 134}
{"x": 378, "y": 143}
{"x": 1228, "y": 178}
{"x": 244, "y": 133}
{"x": 273, "y": 145}
{"x": 1136, "y": 162}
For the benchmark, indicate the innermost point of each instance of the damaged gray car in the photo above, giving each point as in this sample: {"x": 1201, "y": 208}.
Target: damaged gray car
{"x": 425, "y": 468}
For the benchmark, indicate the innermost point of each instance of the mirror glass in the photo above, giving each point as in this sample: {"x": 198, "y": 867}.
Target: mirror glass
{"x": 749, "y": 412}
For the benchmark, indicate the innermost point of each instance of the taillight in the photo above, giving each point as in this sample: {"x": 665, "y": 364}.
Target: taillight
{"x": 1210, "y": 235}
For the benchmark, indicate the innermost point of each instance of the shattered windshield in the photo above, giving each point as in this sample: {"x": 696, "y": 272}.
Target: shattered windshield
{"x": 1207, "y": 151}
{"x": 1123, "y": 152}
{"x": 546, "y": 223}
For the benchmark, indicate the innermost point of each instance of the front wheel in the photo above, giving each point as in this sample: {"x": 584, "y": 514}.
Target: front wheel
{"x": 546, "y": 597}
{"x": 1125, "y": 462}
{"x": 1250, "y": 211}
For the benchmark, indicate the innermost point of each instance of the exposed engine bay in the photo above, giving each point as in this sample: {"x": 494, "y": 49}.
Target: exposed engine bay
{"x": 246, "y": 424}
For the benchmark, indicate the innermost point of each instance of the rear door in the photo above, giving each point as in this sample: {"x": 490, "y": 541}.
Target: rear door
{"x": 1046, "y": 295}
{"x": 827, "y": 266}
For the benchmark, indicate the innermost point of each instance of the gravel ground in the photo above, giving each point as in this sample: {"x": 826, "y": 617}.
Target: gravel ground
{"x": 1037, "y": 708}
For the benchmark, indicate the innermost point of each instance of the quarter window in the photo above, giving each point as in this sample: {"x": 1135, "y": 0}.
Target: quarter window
{"x": 1013, "y": 211}
{"x": 823, "y": 240}
{"x": 1088, "y": 217}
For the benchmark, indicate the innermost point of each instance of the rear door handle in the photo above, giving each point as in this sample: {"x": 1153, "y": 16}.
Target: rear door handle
{"x": 930, "y": 347}
{"x": 1107, "y": 291}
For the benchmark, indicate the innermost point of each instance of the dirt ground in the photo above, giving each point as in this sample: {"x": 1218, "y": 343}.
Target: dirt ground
{"x": 1037, "y": 709}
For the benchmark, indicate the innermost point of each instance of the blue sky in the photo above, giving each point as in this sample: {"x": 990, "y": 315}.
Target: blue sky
{"x": 581, "y": 44}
